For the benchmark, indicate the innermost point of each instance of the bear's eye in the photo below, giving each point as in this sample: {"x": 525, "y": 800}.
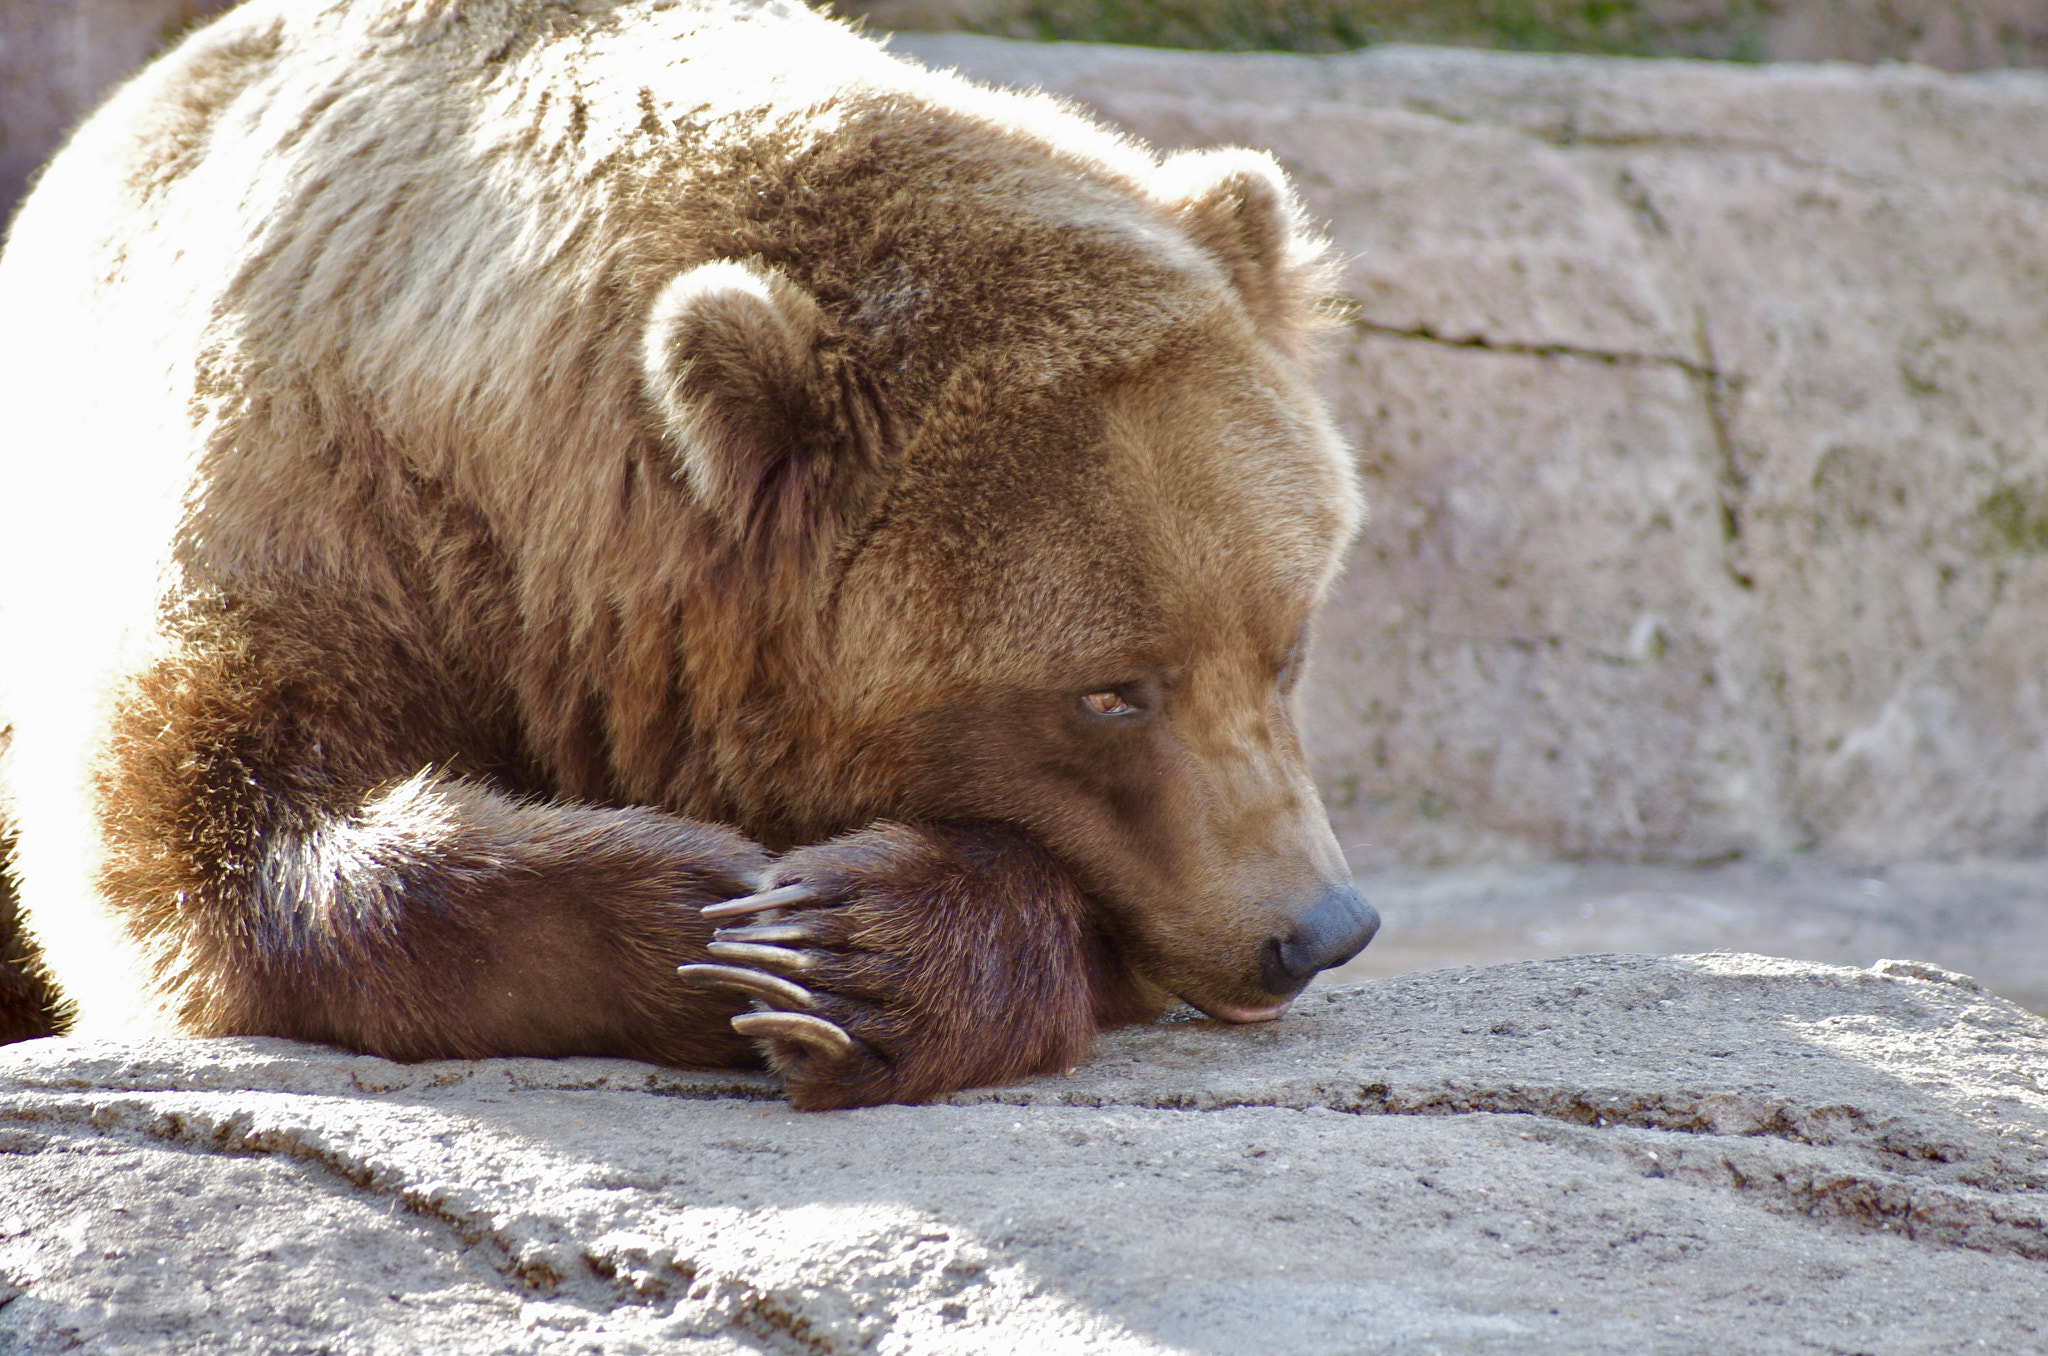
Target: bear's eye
{"x": 1108, "y": 704}
{"x": 1128, "y": 703}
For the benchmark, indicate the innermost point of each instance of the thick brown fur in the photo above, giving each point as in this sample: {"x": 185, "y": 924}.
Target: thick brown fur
{"x": 497, "y": 474}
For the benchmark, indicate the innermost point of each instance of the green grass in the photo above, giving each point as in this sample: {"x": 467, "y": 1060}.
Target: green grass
{"x": 2018, "y": 516}
{"x": 1730, "y": 30}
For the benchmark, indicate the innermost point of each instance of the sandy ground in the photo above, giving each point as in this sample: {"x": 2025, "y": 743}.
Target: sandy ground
{"x": 1986, "y": 918}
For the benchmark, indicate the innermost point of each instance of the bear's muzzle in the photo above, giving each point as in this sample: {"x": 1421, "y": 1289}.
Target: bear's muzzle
{"x": 1330, "y": 933}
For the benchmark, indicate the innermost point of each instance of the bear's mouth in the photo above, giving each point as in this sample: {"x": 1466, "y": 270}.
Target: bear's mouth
{"x": 1224, "y": 1012}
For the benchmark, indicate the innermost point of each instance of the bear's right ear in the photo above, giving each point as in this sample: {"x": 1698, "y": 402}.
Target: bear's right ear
{"x": 1238, "y": 206}
{"x": 776, "y": 430}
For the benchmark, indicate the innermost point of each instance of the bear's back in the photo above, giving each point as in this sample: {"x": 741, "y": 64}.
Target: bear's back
{"x": 417, "y": 241}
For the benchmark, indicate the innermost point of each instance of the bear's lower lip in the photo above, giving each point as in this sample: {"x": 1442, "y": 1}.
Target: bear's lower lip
{"x": 1223, "y": 1012}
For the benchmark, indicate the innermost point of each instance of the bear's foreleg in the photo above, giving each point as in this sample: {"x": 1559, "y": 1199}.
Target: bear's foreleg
{"x": 437, "y": 918}
{"x": 284, "y": 867}
{"x": 902, "y": 963}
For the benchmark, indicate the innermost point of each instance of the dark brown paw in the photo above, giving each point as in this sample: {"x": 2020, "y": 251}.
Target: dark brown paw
{"x": 900, "y": 964}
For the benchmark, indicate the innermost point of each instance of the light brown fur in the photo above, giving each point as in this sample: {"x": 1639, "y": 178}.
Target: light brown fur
{"x": 608, "y": 437}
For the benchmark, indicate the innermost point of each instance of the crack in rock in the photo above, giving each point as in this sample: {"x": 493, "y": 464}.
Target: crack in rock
{"x": 1426, "y": 333}
{"x": 1958, "y": 1216}
{"x": 888, "y": 1280}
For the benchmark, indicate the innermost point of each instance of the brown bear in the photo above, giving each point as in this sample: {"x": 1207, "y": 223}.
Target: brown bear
{"x": 658, "y": 529}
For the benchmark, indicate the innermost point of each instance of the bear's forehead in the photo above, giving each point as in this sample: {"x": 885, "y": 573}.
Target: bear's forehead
{"x": 1201, "y": 503}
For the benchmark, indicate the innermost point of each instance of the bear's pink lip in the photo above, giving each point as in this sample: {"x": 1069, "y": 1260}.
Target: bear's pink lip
{"x": 1223, "y": 1012}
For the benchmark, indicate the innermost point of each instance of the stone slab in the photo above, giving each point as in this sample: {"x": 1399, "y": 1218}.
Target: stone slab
{"x": 1597, "y": 1154}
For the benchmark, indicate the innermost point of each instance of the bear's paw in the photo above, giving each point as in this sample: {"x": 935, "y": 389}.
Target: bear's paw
{"x": 905, "y": 962}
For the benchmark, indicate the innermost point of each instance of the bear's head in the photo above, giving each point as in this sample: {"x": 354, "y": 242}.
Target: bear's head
{"x": 1071, "y": 585}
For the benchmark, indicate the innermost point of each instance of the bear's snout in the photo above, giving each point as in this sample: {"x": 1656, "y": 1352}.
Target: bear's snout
{"x": 1334, "y": 930}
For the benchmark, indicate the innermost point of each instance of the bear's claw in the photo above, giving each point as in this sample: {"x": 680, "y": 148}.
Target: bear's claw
{"x": 814, "y": 1033}
{"x": 781, "y": 897}
{"x": 766, "y": 957}
{"x": 767, "y": 932}
{"x": 770, "y": 987}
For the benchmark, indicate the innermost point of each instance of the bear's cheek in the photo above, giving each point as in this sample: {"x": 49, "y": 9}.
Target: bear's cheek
{"x": 1102, "y": 800}
{"x": 1198, "y": 856}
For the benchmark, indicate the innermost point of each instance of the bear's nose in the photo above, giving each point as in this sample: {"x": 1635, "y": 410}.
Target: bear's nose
{"x": 1332, "y": 932}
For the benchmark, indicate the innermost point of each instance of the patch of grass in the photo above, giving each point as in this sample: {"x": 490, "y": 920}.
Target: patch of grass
{"x": 2018, "y": 516}
{"x": 1433, "y": 805}
{"x": 1730, "y": 29}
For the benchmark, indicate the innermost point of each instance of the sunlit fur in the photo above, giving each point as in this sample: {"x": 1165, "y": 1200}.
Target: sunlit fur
{"x": 478, "y": 470}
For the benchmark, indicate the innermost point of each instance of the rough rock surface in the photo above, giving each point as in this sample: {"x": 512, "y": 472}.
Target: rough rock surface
{"x": 1984, "y": 918}
{"x": 1705, "y": 414}
{"x": 1599, "y": 1154}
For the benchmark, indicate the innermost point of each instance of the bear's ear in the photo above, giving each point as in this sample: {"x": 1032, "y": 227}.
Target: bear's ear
{"x": 775, "y": 428}
{"x": 1237, "y": 205}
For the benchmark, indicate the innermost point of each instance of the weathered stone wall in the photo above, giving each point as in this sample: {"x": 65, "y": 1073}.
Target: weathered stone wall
{"x": 1704, "y": 411}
